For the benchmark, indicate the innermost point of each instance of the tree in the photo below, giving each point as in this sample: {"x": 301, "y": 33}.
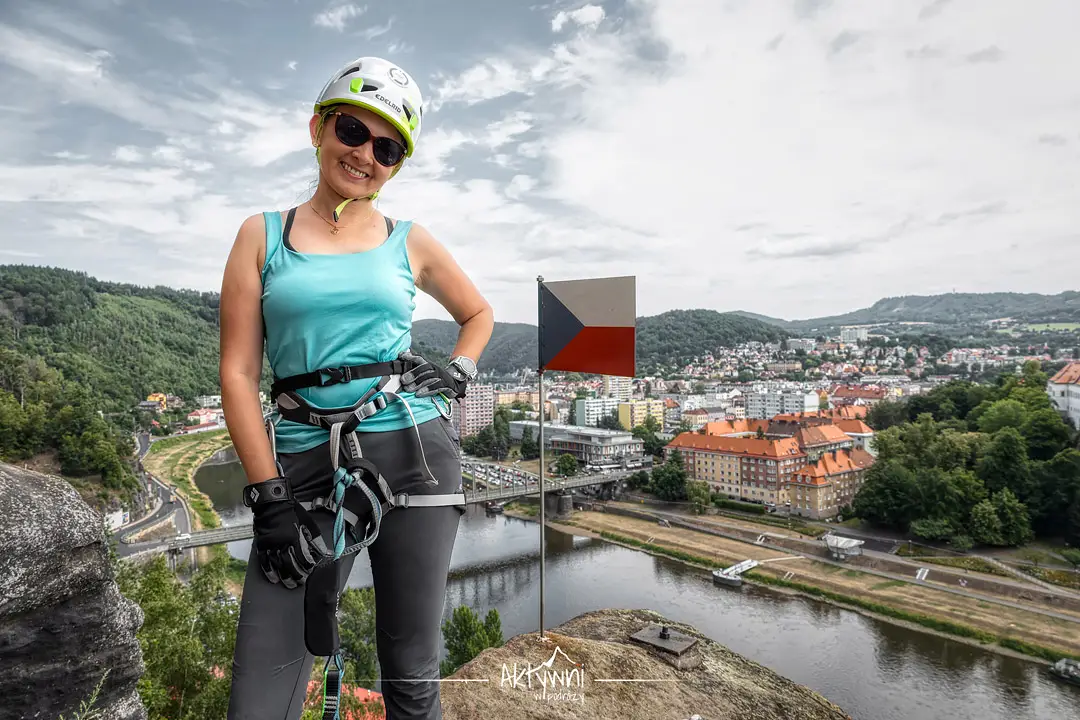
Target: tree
{"x": 669, "y": 479}
{"x": 1003, "y": 414}
{"x": 698, "y": 493}
{"x": 466, "y": 637}
{"x": 1005, "y": 464}
{"x": 1071, "y": 556}
{"x": 985, "y": 524}
{"x": 187, "y": 638}
{"x": 529, "y": 449}
{"x": 1046, "y": 433}
{"x": 1013, "y": 516}
{"x": 356, "y": 629}
{"x": 886, "y": 414}
{"x": 566, "y": 465}
{"x": 610, "y": 422}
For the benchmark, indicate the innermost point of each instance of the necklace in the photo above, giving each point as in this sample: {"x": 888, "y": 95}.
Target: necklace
{"x": 335, "y": 228}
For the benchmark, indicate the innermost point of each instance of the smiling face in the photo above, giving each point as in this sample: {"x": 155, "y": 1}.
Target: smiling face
{"x": 352, "y": 172}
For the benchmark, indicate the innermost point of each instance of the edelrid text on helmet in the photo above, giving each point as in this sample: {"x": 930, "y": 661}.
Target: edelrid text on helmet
{"x": 383, "y": 88}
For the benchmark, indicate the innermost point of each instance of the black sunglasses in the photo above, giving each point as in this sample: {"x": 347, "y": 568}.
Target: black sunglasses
{"x": 353, "y": 132}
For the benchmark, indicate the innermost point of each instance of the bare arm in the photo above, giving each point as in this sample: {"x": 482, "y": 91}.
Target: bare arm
{"x": 241, "y": 352}
{"x": 439, "y": 275}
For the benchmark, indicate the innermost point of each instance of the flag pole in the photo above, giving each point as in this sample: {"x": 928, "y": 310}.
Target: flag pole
{"x": 540, "y": 367}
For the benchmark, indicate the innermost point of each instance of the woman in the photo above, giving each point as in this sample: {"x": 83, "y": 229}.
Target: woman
{"x": 333, "y": 283}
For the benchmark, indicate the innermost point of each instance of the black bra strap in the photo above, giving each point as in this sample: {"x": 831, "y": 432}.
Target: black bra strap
{"x": 288, "y": 227}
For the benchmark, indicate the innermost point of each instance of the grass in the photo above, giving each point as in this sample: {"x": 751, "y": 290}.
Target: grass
{"x": 1053, "y": 327}
{"x": 936, "y": 624}
{"x": 917, "y": 550}
{"x": 530, "y": 510}
{"x": 892, "y": 584}
{"x": 967, "y": 563}
{"x": 794, "y": 525}
{"x": 174, "y": 460}
{"x": 1064, "y": 578}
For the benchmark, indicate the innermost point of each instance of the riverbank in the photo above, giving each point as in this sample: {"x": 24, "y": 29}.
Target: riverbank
{"x": 989, "y": 625}
{"x": 175, "y": 460}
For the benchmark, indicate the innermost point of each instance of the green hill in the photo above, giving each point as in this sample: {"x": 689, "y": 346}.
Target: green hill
{"x": 670, "y": 339}
{"x": 957, "y": 309}
{"x": 120, "y": 341}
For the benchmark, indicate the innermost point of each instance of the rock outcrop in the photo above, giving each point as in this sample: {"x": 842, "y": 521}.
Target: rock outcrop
{"x": 581, "y": 668}
{"x": 63, "y": 621}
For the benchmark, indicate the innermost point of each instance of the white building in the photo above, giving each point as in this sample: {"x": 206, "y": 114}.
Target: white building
{"x": 854, "y": 334}
{"x": 588, "y": 411}
{"x": 764, "y": 404}
{"x": 592, "y": 446}
{"x": 618, "y": 387}
{"x": 1064, "y": 392}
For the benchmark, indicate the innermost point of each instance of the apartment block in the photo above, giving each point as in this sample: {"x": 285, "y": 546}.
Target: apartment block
{"x": 820, "y": 489}
{"x": 476, "y": 410}
{"x": 768, "y": 403}
{"x": 854, "y": 334}
{"x": 509, "y": 397}
{"x": 620, "y": 388}
{"x": 632, "y": 414}
{"x": 746, "y": 468}
{"x": 588, "y": 411}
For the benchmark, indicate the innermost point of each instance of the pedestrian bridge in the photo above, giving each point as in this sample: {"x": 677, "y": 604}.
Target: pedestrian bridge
{"x": 217, "y": 536}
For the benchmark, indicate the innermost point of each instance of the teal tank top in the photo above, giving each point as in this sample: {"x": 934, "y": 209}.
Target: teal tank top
{"x": 330, "y": 310}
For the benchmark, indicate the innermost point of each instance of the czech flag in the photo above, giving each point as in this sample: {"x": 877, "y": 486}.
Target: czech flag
{"x": 588, "y": 326}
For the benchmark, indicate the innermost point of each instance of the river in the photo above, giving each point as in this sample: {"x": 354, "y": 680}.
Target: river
{"x": 873, "y": 669}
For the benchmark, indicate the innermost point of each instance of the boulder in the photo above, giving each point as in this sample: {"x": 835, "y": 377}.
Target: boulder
{"x": 581, "y": 669}
{"x": 63, "y": 621}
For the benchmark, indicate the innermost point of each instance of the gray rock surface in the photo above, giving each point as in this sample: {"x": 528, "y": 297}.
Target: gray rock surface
{"x": 592, "y": 656}
{"x": 63, "y": 621}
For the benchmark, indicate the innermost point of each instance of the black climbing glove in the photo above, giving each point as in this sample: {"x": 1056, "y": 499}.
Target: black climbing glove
{"x": 287, "y": 540}
{"x": 427, "y": 379}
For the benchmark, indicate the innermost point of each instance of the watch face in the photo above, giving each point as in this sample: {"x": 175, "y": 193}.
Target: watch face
{"x": 466, "y": 366}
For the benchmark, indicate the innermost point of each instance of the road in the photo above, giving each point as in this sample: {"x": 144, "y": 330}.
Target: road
{"x": 164, "y": 510}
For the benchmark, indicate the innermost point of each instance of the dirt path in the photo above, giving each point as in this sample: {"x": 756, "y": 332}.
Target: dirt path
{"x": 1050, "y": 632}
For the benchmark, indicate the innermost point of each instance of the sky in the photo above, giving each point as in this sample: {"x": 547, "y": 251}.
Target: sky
{"x": 796, "y": 158}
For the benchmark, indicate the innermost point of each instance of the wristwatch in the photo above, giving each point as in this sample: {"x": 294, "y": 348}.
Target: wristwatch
{"x": 465, "y": 366}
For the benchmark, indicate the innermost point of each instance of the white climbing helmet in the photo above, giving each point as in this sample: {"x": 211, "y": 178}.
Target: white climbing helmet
{"x": 381, "y": 87}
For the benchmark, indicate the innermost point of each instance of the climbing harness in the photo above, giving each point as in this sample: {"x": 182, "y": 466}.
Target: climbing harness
{"x": 358, "y": 488}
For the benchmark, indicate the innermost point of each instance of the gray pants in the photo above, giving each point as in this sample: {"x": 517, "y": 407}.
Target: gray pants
{"x": 410, "y": 561}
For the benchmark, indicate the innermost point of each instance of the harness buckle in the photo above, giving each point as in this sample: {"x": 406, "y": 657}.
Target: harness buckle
{"x": 337, "y": 375}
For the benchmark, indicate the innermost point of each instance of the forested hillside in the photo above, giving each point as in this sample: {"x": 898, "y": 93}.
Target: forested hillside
{"x": 669, "y": 340}
{"x": 121, "y": 342}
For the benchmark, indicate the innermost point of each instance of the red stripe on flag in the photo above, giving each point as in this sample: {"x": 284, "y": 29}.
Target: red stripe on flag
{"x": 600, "y": 350}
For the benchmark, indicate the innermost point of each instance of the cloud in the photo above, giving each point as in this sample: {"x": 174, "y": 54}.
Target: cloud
{"x": 866, "y": 159}
{"x": 987, "y": 55}
{"x": 933, "y": 9}
{"x": 377, "y": 30}
{"x": 336, "y": 16}
{"x": 586, "y": 16}
{"x": 844, "y": 40}
{"x": 819, "y": 153}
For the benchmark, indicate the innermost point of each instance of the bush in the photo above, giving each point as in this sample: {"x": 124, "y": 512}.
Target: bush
{"x": 738, "y": 505}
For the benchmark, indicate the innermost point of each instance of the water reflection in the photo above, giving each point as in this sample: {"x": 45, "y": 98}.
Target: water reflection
{"x": 874, "y": 670}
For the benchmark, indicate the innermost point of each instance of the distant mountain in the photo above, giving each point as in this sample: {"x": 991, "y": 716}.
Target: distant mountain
{"x": 949, "y": 309}
{"x": 670, "y": 339}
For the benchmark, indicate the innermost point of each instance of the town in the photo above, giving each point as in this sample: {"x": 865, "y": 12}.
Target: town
{"x": 783, "y": 426}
